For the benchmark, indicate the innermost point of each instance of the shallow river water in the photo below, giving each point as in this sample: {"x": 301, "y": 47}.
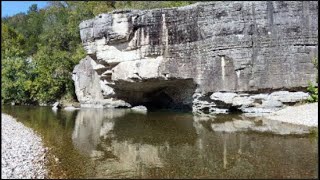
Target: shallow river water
{"x": 119, "y": 143}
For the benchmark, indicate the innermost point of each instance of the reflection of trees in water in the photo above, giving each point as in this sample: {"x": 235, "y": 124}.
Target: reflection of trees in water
{"x": 173, "y": 145}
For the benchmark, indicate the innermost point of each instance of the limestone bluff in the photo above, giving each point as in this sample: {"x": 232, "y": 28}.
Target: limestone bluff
{"x": 209, "y": 57}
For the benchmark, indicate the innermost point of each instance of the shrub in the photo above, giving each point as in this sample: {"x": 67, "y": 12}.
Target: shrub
{"x": 313, "y": 89}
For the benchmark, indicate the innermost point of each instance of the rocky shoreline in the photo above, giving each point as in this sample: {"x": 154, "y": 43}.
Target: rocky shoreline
{"x": 22, "y": 153}
{"x": 305, "y": 114}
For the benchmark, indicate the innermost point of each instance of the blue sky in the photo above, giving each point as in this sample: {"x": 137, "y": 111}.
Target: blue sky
{"x": 9, "y": 8}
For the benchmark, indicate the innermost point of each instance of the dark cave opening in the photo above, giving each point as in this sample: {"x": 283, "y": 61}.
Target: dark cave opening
{"x": 172, "y": 95}
{"x": 161, "y": 101}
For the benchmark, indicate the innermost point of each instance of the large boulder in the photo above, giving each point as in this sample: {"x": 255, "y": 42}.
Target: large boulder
{"x": 225, "y": 98}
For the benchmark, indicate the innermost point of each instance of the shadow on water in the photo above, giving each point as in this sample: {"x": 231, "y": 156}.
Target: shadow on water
{"x": 119, "y": 143}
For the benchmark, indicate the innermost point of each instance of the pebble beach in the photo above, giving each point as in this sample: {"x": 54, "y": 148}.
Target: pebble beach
{"x": 22, "y": 152}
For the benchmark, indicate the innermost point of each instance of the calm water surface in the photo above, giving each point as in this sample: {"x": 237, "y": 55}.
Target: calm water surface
{"x": 95, "y": 143}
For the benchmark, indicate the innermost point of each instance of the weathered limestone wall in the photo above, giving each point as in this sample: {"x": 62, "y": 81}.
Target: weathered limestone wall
{"x": 219, "y": 46}
{"x": 90, "y": 90}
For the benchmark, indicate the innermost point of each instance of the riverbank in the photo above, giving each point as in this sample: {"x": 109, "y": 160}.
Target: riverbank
{"x": 22, "y": 152}
{"x": 305, "y": 114}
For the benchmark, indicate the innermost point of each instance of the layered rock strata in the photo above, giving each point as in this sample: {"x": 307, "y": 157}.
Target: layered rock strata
{"x": 169, "y": 57}
{"x": 249, "y": 103}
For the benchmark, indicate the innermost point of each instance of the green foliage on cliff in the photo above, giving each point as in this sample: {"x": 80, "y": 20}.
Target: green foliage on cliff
{"x": 313, "y": 90}
{"x": 41, "y": 47}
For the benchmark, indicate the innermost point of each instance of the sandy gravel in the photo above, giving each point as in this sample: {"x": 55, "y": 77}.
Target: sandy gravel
{"x": 306, "y": 114}
{"x": 22, "y": 152}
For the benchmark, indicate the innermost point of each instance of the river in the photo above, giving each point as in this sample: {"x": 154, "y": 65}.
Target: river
{"x": 119, "y": 143}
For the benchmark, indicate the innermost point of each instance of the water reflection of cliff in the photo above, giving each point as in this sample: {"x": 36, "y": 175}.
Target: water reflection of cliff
{"x": 91, "y": 124}
{"x": 174, "y": 145}
{"x": 247, "y": 154}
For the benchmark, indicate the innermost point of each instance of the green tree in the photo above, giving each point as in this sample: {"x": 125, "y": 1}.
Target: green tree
{"x": 12, "y": 42}
{"x": 16, "y": 71}
{"x": 16, "y": 80}
{"x": 60, "y": 47}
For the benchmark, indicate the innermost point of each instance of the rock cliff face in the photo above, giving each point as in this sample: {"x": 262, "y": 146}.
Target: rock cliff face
{"x": 171, "y": 57}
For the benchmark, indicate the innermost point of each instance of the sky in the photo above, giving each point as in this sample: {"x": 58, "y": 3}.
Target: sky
{"x": 9, "y": 8}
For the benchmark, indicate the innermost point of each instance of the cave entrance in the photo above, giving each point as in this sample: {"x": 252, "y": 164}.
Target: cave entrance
{"x": 173, "y": 94}
{"x": 170, "y": 98}
{"x": 161, "y": 100}
{"x": 158, "y": 100}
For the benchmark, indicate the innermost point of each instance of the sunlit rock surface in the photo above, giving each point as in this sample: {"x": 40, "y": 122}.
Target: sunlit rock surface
{"x": 163, "y": 56}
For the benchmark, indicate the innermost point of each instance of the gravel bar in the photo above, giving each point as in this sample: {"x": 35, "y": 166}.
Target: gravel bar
{"x": 306, "y": 114}
{"x": 22, "y": 151}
